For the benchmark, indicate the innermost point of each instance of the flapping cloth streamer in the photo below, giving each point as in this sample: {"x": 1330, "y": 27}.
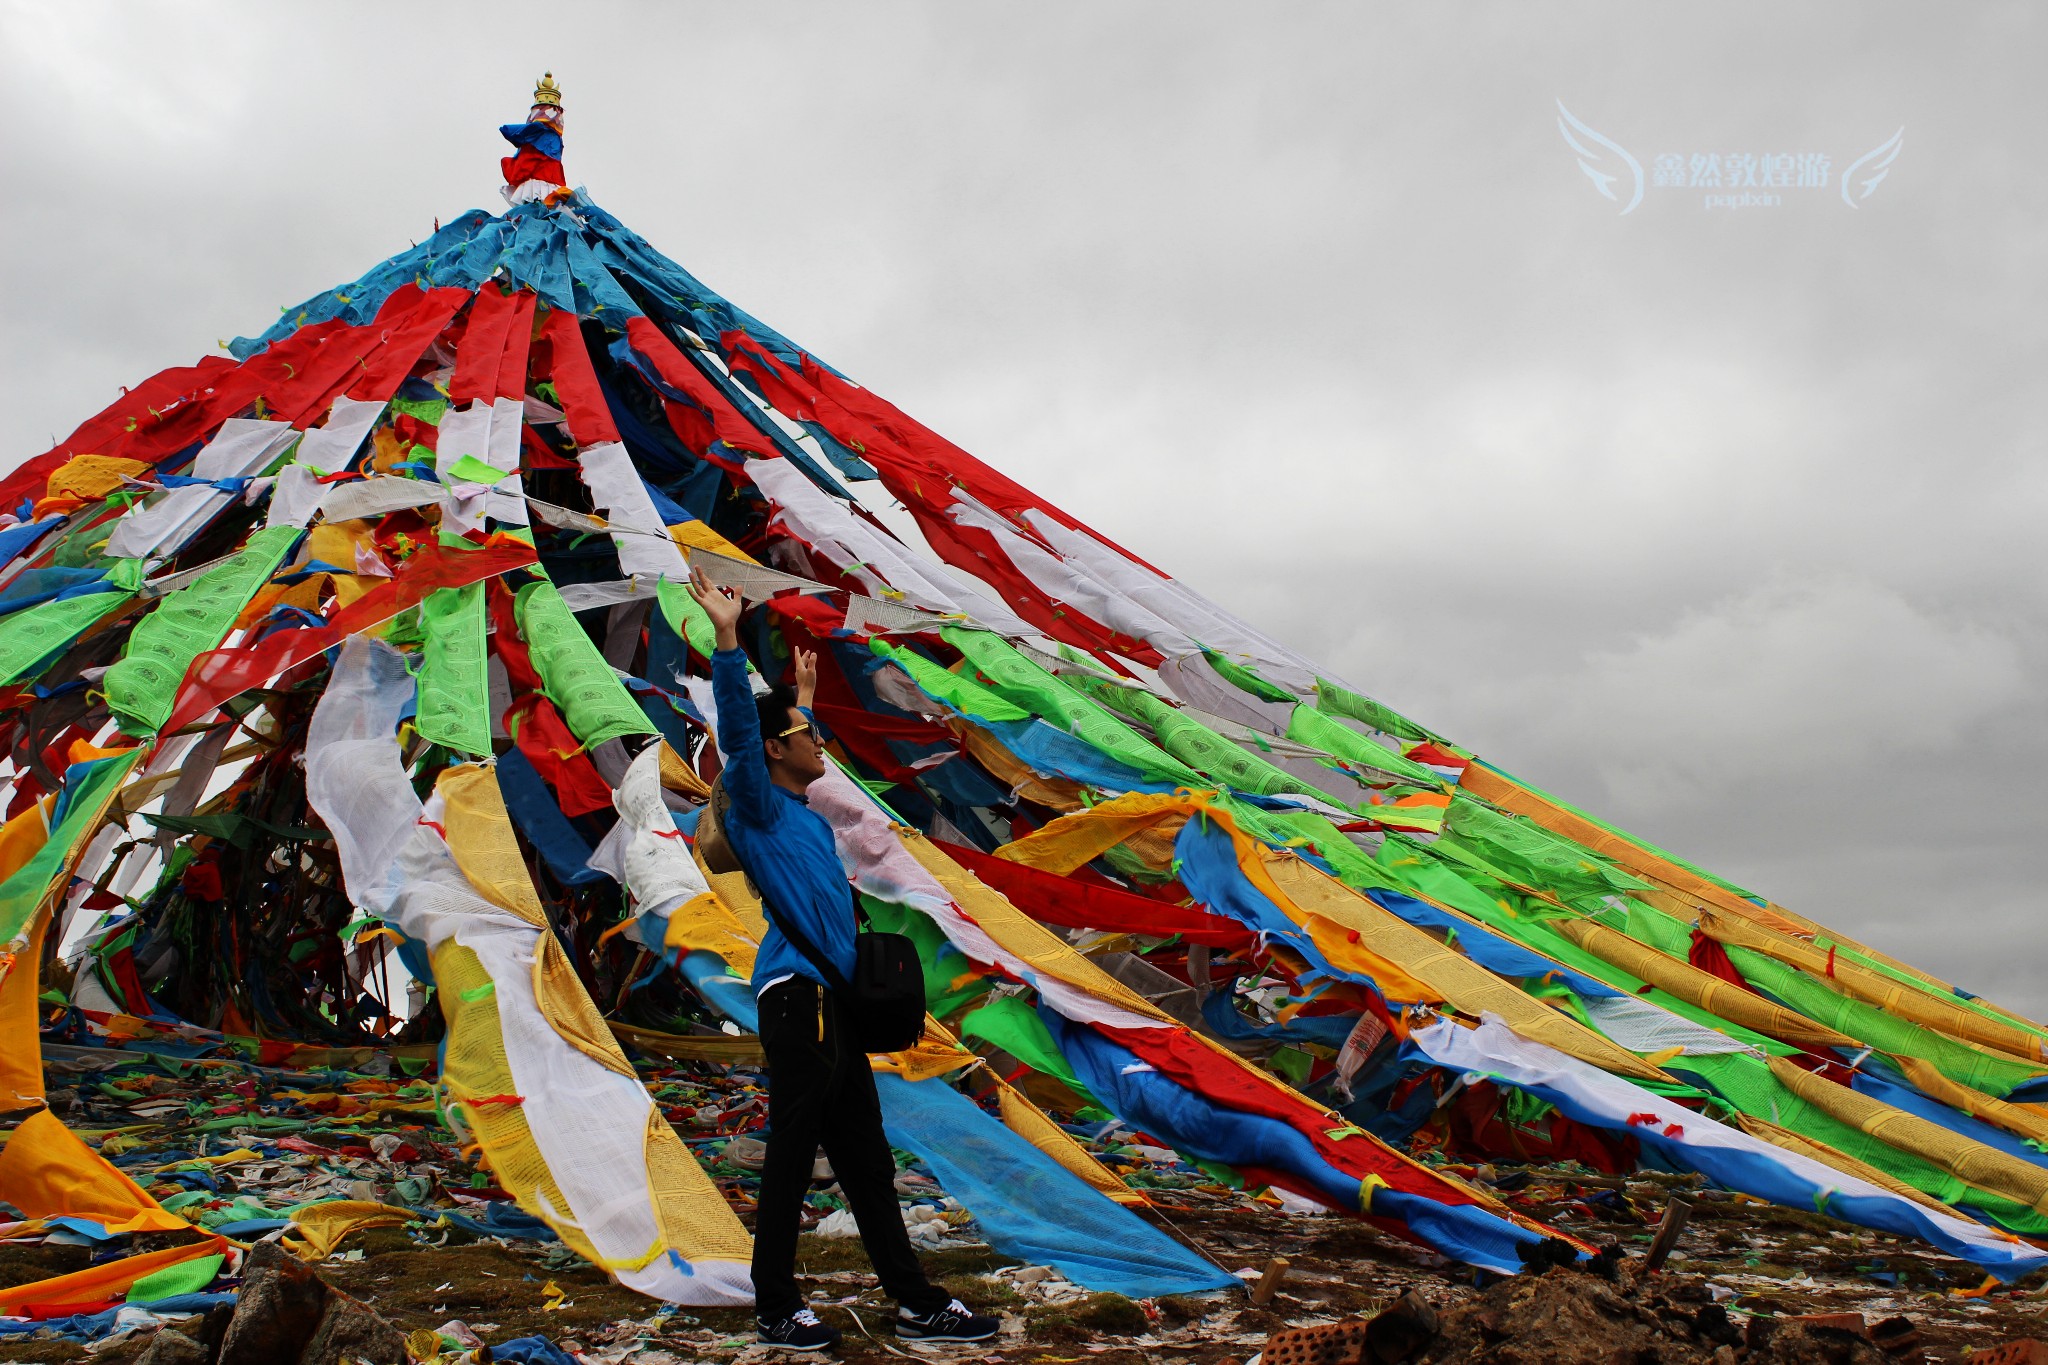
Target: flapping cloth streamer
{"x": 539, "y": 1080}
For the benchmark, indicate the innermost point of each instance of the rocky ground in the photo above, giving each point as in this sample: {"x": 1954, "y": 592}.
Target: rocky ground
{"x": 1749, "y": 1261}
{"x": 236, "y": 1147}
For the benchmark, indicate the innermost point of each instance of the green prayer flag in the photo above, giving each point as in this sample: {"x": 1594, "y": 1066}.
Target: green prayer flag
{"x": 1015, "y": 1027}
{"x": 24, "y": 892}
{"x": 186, "y": 1277}
{"x": 143, "y": 685}
{"x": 593, "y": 700}
{"x": 1342, "y": 701}
{"x": 1201, "y": 748}
{"x": 1022, "y": 682}
{"x": 1878, "y": 1027}
{"x": 232, "y": 827}
{"x": 1246, "y": 678}
{"x": 31, "y": 638}
{"x": 957, "y": 690}
{"x": 1352, "y": 864}
{"x": 428, "y": 410}
{"x": 1532, "y": 855}
{"x": 454, "y": 679}
{"x": 1318, "y": 731}
{"x": 469, "y": 469}
{"x": 685, "y": 617}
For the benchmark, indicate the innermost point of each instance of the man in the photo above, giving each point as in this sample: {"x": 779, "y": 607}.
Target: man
{"x": 820, "y": 1089}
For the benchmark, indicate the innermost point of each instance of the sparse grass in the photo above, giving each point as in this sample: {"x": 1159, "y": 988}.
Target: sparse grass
{"x": 27, "y": 1264}
{"x": 1756, "y": 1218}
{"x": 383, "y": 1241}
{"x": 40, "y": 1351}
{"x": 817, "y": 1255}
{"x": 1096, "y": 1315}
{"x": 977, "y": 1260}
{"x": 1111, "y": 1313}
{"x": 979, "y": 1292}
{"x": 1255, "y": 1319}
{"x": 1356, "y": 1299}
{"x": 423, "y": 1287}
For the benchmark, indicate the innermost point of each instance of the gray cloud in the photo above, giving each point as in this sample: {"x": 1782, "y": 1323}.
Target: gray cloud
{"x": 1722, "y": 524}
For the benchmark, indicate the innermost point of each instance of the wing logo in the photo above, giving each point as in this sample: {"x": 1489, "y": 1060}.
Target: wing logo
{"x": 1871, "y": 168}
{"x": 1726, "y": 178}
{"x": 1607, "y": 163}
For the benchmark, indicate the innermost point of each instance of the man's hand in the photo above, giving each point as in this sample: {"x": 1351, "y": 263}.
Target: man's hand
{"x": 806, "y": 678}
{"x": 722, "y": 606}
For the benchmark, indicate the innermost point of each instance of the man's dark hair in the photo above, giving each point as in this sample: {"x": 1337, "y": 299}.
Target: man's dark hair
{"x": 773, "y": 708}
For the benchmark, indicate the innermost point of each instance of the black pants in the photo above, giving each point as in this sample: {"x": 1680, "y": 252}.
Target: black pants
{"x": 821, "y": 1091}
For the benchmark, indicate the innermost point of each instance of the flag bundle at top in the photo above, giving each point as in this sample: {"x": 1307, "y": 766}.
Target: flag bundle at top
{"x": 534, "y": 174}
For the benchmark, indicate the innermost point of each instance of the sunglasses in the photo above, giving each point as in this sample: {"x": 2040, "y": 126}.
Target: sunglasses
{"x": 809, "y": 727}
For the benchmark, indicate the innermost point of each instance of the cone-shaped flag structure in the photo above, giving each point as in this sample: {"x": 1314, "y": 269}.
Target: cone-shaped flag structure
{"x": 366, "y": 651}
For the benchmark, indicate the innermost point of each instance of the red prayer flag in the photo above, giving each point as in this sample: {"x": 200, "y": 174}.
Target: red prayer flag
{"x": 1072, "y": 904}
{"x": 220, "y": 675}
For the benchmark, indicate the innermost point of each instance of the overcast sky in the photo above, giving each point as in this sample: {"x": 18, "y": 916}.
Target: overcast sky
{"x": 1724, "y": 523}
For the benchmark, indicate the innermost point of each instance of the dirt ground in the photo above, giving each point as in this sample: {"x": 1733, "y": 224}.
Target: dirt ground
{"x": 1751, "y": 1259}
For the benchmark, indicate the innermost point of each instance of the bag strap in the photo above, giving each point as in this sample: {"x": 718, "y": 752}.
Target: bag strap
{"x": 721, "y": 802}
{"x": 803, "y": 944}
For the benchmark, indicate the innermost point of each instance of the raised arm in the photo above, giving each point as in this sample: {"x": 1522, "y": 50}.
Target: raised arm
{"x": 739, "y": 728}
{"x": 806, "y": 679}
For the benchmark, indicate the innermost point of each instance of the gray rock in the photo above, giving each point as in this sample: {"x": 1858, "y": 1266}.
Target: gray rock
{"x": 213, "y": 1329}
{"x": 286, "y": 1313}
{"x": 172, "y": 1347}
{"x": 350, "y": 1332}
{"x": 280, "y": 1307}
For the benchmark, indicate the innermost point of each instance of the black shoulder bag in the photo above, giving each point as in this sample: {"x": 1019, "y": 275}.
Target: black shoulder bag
{"x": 884, "y": 1002}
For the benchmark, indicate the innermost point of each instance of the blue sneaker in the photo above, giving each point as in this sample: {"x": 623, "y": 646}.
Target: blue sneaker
{"x": 800, "y": 1331}
{"x": 954, "y": 1322}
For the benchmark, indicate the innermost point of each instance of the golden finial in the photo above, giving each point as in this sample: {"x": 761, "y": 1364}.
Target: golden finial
{"x": 547, "y": 92}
